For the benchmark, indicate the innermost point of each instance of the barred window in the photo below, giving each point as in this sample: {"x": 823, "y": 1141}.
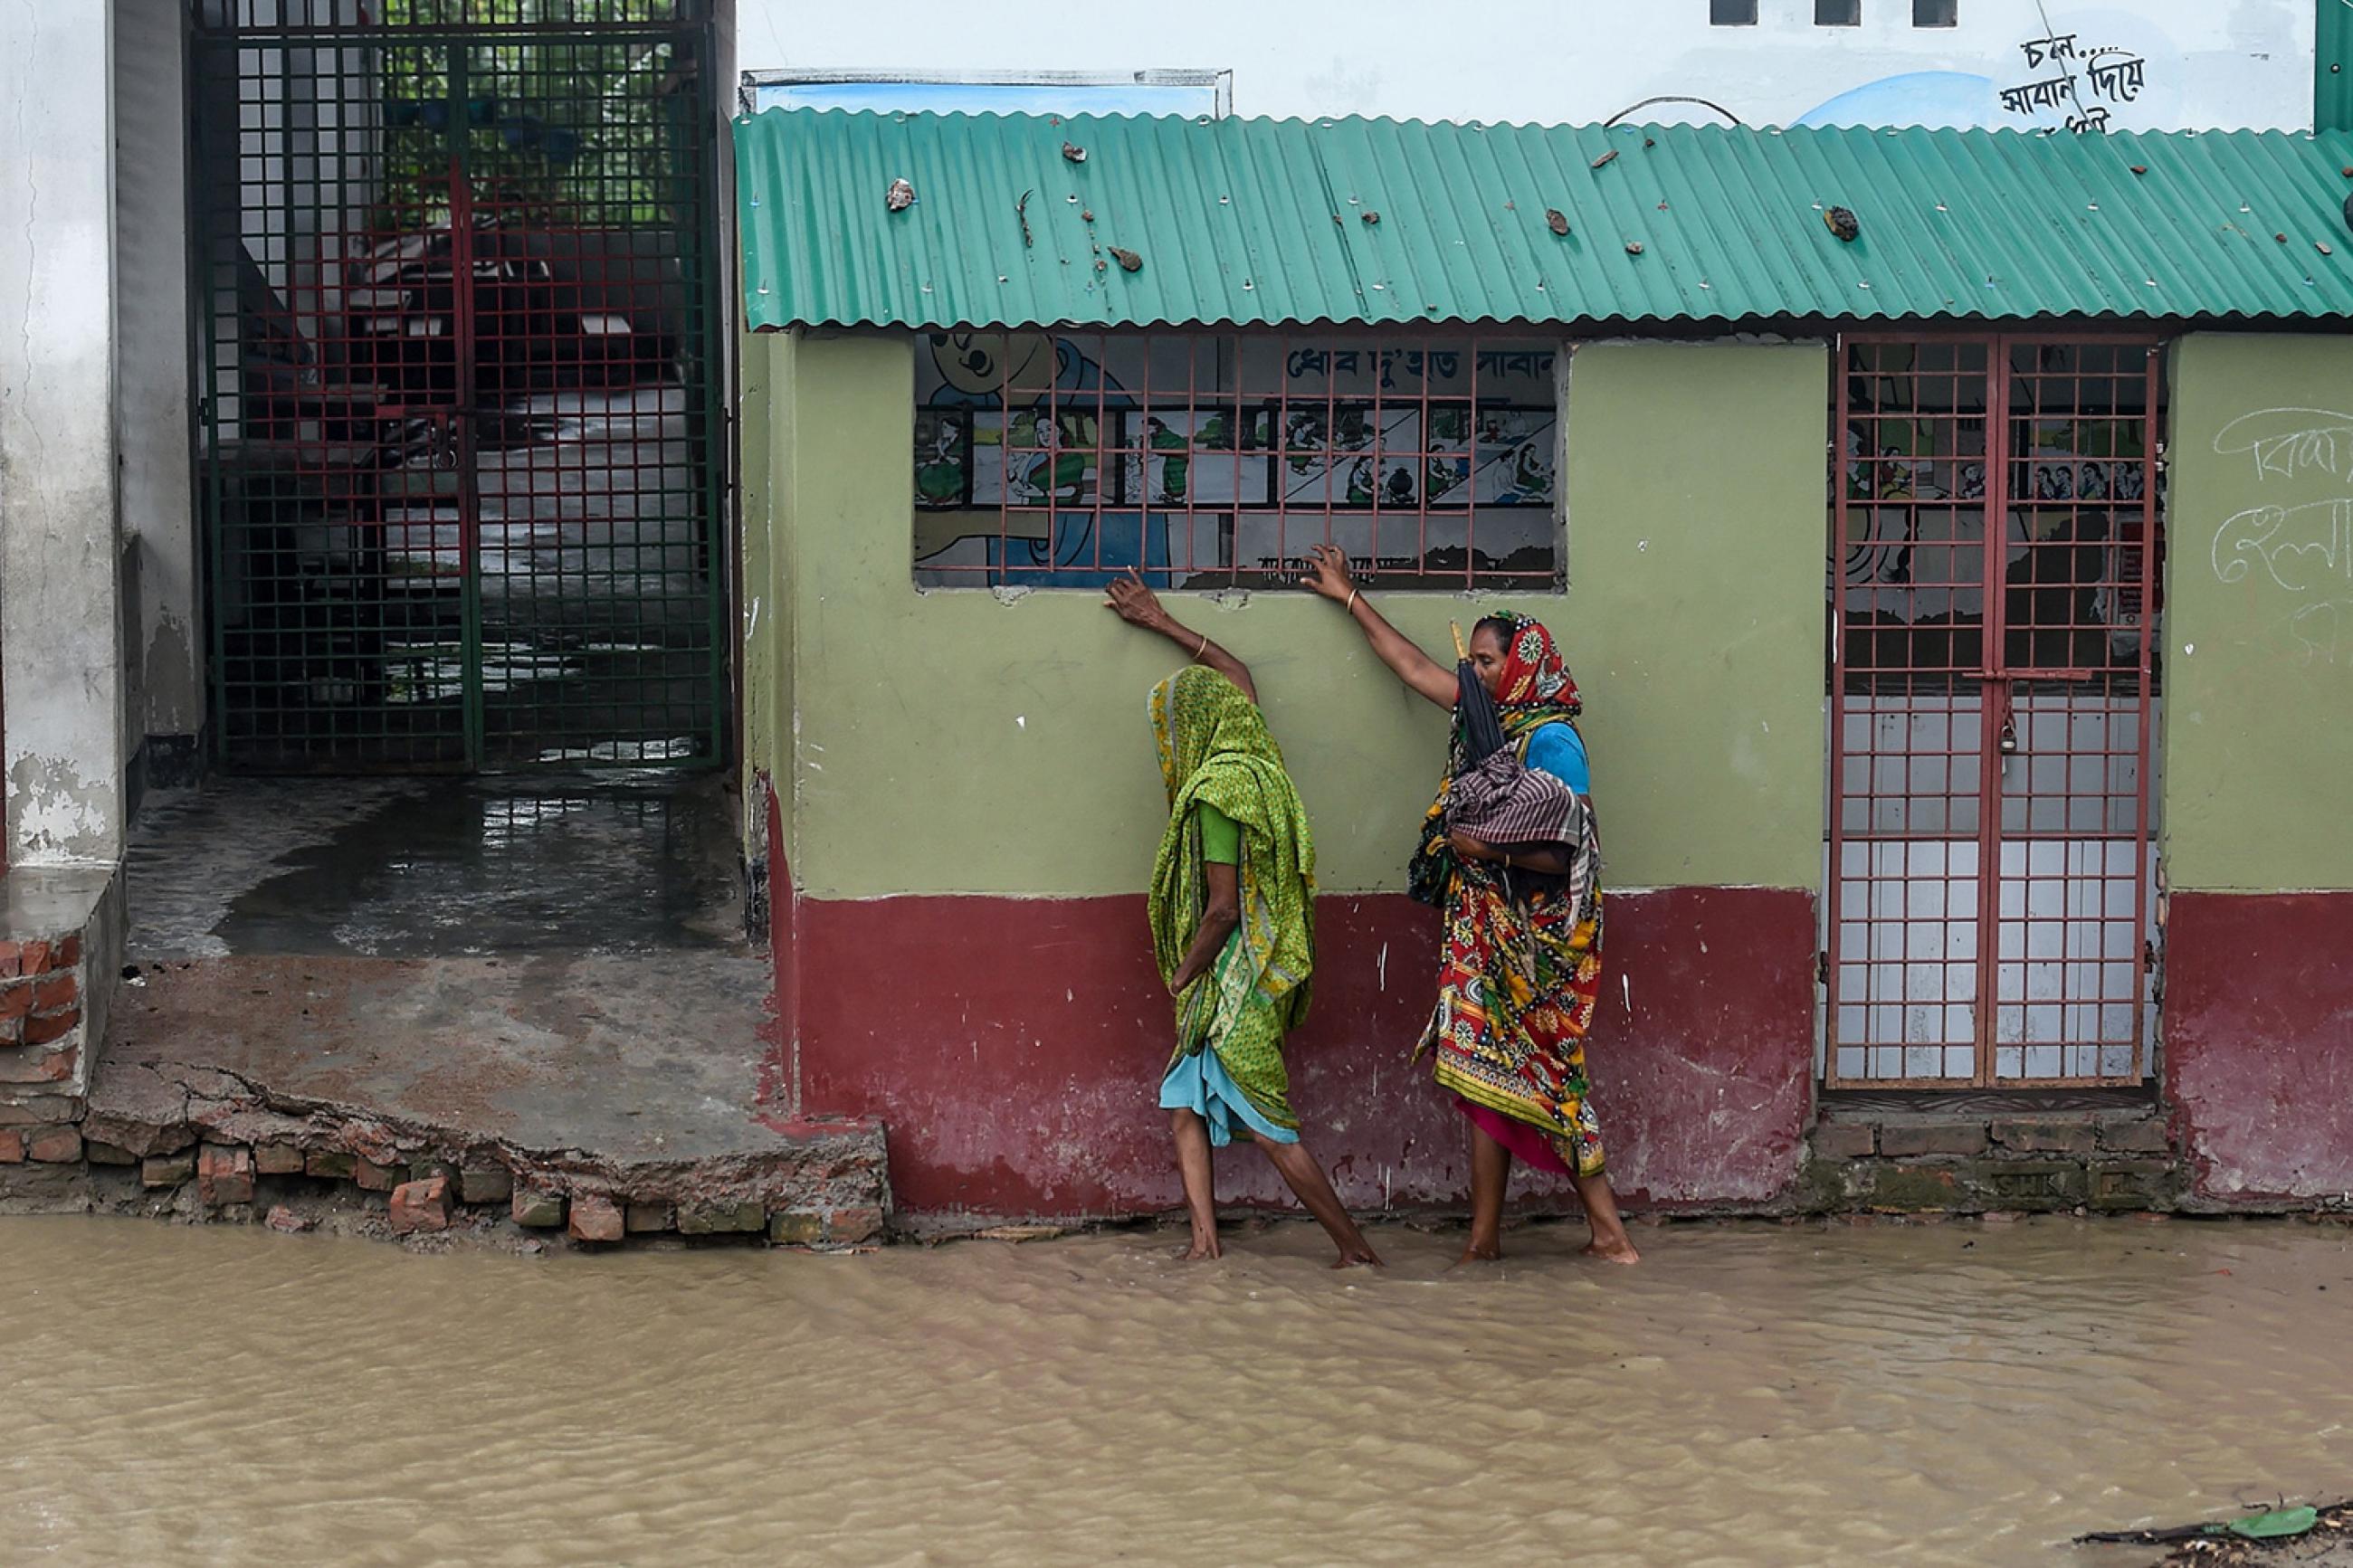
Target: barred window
{"x": 1214, "y": 460}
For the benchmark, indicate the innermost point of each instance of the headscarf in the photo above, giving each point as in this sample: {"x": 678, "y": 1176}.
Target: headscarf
{"x": 1534, "y": 689}
{"x": 1215, "y": 749}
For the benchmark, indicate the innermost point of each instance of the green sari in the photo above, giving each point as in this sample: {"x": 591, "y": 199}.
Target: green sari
{"x": 1215, "y": 750}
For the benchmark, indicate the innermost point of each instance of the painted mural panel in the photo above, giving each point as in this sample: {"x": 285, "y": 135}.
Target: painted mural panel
{"x": 1214, "y": 460}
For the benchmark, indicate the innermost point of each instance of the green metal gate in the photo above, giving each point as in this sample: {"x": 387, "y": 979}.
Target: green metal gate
{"x": 457, "y": 382}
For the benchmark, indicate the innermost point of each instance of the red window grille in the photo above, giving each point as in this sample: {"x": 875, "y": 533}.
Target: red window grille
{"x": 1214, "y": 460}
{"x": 1993, "y": 697}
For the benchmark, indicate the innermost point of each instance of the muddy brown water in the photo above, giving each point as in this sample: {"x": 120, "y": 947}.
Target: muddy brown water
{"x": 1750, "y": 1395}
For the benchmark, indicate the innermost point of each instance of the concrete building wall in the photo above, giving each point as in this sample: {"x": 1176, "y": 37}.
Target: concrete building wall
{"x": 2258, "y": 745}
{"x": 2205, "y": 65}
{"x": 60, "y": 634}
{"x": 969, "y": 804}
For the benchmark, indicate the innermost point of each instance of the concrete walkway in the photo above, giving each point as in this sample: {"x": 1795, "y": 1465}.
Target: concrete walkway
{"x": 545, "y": 978}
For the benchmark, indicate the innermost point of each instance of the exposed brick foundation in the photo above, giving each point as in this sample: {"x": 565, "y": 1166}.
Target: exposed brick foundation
{"x": 2018, "y": 1161}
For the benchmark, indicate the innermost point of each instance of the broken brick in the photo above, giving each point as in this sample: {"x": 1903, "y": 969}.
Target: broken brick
{"x": 223, "y": 1174}
{"x": 54, "y": 991}
{"x": 373, "y": 1177}
{"x": 17, "y": 999}
{"x": 43, "y": 1027}
{"x": 32, "y": 1064}
{"x": 166, "y": 1170}
{"x": 539, "y": 1211}
{"x": 852, "y": 1225}
{"x": 1843, "y": 1141}
{"x": 648, "y": 1217}
{"x": 54, "y": 1145}
{"x": 789, "y": 1228}
{"x": 98, "y": 1153}
{"x": 486, "y": 1184}
{"x": 278, "y": 1158}
{"x": 331, "y": 1163}
{"x": 421, "y": 1205}
{"x": 11, "y": 1146}
{"x": 286, "y": 1219}
{"x": 723, "y": 1218}
{"x": 595, "y": 1217}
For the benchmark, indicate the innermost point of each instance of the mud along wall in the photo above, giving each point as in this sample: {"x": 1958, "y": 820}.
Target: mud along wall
{"x": 966, "y": 805}
{"x": 2258, "y": 1014}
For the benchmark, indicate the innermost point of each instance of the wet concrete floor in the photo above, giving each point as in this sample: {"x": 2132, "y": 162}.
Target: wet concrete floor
{"x": 1751, "y": 1396}
{"x": 552, "y": 961}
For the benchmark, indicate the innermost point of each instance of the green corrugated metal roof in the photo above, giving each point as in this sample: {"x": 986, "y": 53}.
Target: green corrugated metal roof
{"x": 1270, "y": 221}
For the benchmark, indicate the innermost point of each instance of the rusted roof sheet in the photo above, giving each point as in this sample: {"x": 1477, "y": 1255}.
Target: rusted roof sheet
{"x": 1254, "y": 222}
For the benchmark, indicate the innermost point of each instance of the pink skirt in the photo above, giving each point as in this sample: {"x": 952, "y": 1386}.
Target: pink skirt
{"x": 1524, "y": 1142}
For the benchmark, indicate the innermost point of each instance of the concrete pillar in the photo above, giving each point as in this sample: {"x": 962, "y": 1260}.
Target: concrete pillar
{"x": 61, "y": 556}
{"x": 151, "y": 312}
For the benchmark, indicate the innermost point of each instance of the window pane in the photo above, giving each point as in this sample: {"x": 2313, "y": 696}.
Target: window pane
{"x": 1936, "y": 13}
{"x": 1732, "y": 13}
{"x": 1213, "y": 460}
{"x": 1838, "y": 13}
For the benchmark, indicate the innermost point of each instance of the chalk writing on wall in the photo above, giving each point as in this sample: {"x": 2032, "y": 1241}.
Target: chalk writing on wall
{"x": 2295, "y": 541}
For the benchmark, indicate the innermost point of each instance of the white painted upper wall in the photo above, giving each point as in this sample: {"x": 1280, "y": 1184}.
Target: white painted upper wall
{"x": 2205, "y": 63}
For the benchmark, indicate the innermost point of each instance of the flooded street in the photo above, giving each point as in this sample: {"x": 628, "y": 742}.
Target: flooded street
{"x": 1752, "y": 1395}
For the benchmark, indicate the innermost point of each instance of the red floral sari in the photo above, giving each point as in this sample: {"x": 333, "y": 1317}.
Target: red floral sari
{"x": 1520, "y": 969}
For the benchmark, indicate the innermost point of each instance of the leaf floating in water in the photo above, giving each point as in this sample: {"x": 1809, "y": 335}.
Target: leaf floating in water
{"x": 1557, "y": 220}
{"x": 1605, "y": 157}
{"x": 1129, "y": 261}
{"x": 2276, "y": 1524}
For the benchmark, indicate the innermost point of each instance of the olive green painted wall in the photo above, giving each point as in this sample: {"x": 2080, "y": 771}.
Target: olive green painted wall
{"x": 1697, "y": 532}
{"x": 2258, "y": 662}
{"x": 956, "y": 742}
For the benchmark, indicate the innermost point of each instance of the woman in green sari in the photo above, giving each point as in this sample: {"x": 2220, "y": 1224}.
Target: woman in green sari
{"x": 1232, "y": 916}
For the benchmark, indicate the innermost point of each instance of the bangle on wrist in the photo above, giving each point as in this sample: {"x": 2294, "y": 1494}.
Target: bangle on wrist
{"x": 1203, "y": 648}
{"x": 1350, "y": 607}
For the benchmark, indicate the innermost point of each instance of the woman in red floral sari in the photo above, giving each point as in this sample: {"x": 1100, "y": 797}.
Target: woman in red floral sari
{"x": 1522, "y": 961}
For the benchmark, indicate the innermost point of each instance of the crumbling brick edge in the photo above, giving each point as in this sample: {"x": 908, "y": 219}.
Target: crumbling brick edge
{"x": 233, "y": 1152}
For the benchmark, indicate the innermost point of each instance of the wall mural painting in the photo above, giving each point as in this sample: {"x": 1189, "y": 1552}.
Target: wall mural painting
{"x": 1045, "y": 460}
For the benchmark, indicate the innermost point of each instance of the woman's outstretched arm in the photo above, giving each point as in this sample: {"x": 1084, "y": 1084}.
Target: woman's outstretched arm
{"x": 1139, "y": 606}
{"x": 1329, "y": 576}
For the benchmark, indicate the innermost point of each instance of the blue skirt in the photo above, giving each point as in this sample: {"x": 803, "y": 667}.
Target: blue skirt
{"x": 1199, "y": 1083}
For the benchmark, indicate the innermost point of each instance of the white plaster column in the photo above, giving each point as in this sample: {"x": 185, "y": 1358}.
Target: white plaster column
{"x": 60, "y": 588}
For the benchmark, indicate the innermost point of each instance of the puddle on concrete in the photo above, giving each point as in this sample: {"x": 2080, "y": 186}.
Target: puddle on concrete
{"x": 620, "y": 862}
{"x": 1751, "y": 1395}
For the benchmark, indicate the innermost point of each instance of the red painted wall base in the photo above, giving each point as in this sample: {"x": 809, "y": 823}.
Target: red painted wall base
{"x": 2259, "y": 1042}
{"x": 1014, "y": 1046}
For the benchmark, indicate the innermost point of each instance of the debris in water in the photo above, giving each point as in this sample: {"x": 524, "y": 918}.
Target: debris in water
{"x": 1086, "y": 215}
{"x": 2249, "y": 1540}
{"x": 1021, "y": 213}
{"x": 900, "y": 196}
{"x": 1073, "y": 154}
{"x": 1129, "y": 261}
{"x": 1372, "y": 217}
{"x": 1557, "y": 220}
{"x": 2140, "y": 168}
{"x": 1634, "y": 248}
{"x": 1842, "y": 224}
{"x": 1605, "y": 157}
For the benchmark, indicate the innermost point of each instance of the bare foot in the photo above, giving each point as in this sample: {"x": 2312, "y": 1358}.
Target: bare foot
{"x": 1475, "y": 1253}
{"x": 1201, "y": 1251}
{"x": 1618, "y": 1249}
{"x": 1360, "y": 1258}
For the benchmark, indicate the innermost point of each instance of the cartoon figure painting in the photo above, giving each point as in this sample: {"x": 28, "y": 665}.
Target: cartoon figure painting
{"x": 1024, "y": 456}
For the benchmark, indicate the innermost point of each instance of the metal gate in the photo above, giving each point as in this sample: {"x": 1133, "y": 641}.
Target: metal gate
{"x": 1990, "y": 875}
{"x": 457, "y": 382}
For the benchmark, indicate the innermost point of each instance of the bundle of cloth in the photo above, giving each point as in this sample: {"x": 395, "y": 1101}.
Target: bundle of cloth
{"x": 1496, "y": 798}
